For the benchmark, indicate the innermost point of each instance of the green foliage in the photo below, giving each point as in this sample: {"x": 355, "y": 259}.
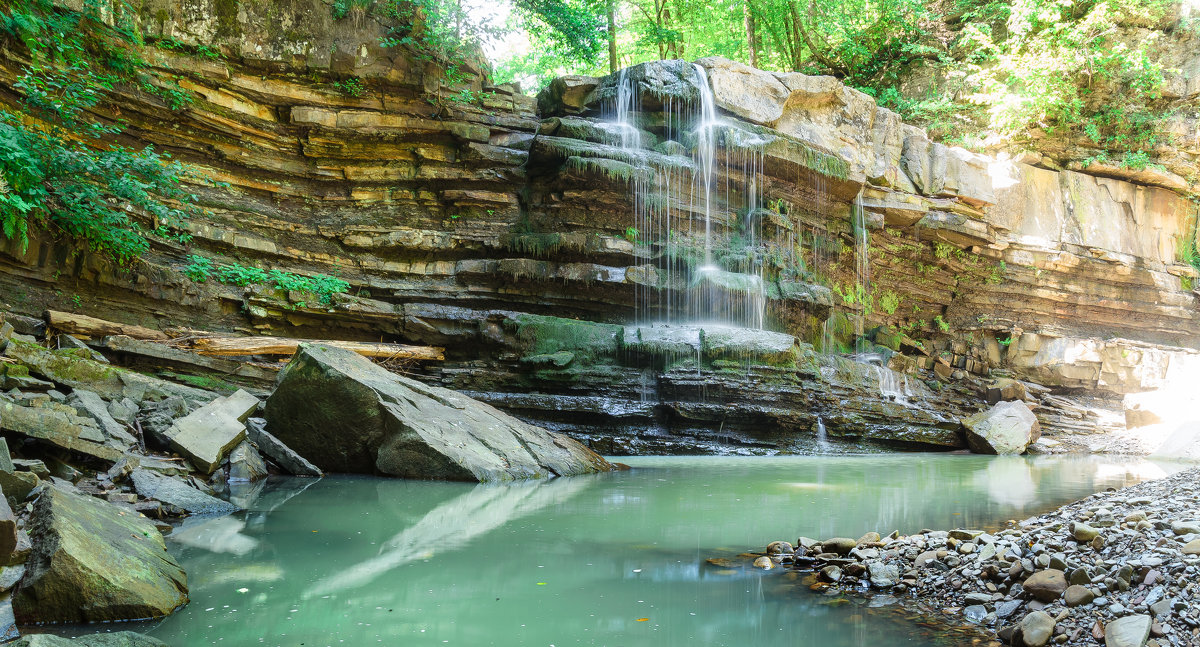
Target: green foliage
{"x": 1187, "y": 283}
{"x": 343, "y": 8}
{"x": 631, "y": 234}
{"x": 997, "y": 275}
{"x": 201, "y": 269}
{"x": 941, "y": 323}
{"x": 59, "y": 169}
{"x": 351, "y": 87}
{"x": 889, "y": 302}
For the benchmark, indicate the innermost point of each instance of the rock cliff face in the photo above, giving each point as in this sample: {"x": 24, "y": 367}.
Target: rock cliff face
{"x": 515, "y": 234}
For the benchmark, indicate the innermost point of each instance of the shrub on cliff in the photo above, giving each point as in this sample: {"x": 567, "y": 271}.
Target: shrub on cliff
{"x": 60, "y": 168}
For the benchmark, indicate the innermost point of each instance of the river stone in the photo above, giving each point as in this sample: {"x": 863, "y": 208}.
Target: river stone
{"x": 1034, "y": 630}
{"x": 1083, "y": 532}
{"x": 93, "y": 561}
{"x": 1130, "y": 631}
{"x": 174, "y": 491}
{"x": 348, "y": 414}
{"x": 839, "y": 545}
{"x": 1185, "y": 527}
{"x": 1046, "y": 585}
{"x": 1077, "y": 596}
{"x": 1006, "y": 428}
{"x": 1192, "y": 547}
{"x": 883, "y": 575}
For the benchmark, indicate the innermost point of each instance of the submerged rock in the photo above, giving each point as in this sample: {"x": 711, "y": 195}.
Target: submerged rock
{"x": 174, "y": 491}
{"x": 93, "y": 561}
{"x": 348, "y": 414}
{"x": 1006, "y": 428}
{"x": 274, "y": 449}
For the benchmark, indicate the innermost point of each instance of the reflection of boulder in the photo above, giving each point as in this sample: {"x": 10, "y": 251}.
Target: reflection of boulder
{"x": 1008, "y": 481}
{"x": 452, "y": 525}
{"x": 219, "y": 535}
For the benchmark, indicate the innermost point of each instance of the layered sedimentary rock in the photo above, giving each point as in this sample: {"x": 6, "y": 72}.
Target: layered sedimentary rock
{"x": 506, "y": 230}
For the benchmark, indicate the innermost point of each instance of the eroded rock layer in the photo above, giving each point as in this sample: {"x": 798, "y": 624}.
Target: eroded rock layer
{"x": 506, "y": 230}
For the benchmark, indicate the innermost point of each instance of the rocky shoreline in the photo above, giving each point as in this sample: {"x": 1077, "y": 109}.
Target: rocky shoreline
{"x": 1119, "y": 568}
{"x": 98, "y": 461}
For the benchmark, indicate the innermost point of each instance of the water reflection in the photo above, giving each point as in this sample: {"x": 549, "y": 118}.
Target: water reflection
{"x": 603, "y": 560}
{"x": 454, "y": 524}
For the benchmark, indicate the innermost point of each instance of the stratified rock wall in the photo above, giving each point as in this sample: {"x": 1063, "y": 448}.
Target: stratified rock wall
{"x": 506, "y": 234}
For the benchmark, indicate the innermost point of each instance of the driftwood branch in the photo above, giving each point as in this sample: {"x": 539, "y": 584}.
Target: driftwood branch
{"x": 228, "y": 346}
{"x": 91, "y": 327}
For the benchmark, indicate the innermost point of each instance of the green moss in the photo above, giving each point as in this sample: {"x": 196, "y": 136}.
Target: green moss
{"x": 543, "y": 335}
{"x": 534, "y": 244}
{"x": 206, "y": 382}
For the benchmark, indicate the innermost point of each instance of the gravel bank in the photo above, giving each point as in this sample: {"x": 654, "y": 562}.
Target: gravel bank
{"x": 1119, "y": 568}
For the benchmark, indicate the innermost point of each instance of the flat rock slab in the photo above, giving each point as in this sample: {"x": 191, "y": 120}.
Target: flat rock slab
{"x": 56, "y": 427}
{"x": 93, "y": 561}
{"x": 347, "y": 414}
{"x": 208, "y": 434}
{"x": 167, "y": 489}
{"x": 95, "y": 407}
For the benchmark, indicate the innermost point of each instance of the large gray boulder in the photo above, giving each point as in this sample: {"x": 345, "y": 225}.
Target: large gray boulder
{"x": 1006, "y": 428}
{"x": 347, "y": 414}
{"x": 93, "y": 561}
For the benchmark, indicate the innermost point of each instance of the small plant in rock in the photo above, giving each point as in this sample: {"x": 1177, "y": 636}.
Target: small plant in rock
{"x": 941, "y": 323}
{"x": 351, "y": 87}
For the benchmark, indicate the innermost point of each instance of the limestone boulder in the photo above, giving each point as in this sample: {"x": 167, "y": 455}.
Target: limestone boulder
{"x": 1006, "y": 428}
{"x": 566, "y": 95}
{"x": 1004, "y": 389}
{"x": 93, "y": 561}
{"x": 1130, "y": 631}
{"x": 348, "y": 414}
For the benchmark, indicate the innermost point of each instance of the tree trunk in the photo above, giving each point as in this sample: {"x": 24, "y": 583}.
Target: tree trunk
{"x": 93, "y": 328}
{"x": 612, "y": 36}
{"x": 751, "y": 34}
{"x": 283, "y": 346}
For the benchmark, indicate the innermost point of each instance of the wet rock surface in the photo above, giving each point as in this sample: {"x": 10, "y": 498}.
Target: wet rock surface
{"x": 1133, "y": 583}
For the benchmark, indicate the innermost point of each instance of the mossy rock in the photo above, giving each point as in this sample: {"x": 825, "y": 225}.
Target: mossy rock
{"x": 93, "y": 561}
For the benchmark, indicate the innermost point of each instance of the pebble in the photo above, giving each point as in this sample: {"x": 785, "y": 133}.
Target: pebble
{"x": 1113, "y": 568}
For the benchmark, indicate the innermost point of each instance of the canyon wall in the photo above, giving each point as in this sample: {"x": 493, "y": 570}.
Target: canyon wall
{"x": 505, "y": 230}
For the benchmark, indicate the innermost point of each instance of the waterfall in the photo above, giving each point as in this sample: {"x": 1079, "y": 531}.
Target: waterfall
{"x": 892, "y": 385}
{"x": 713, "y": 275}
{"x": 862, "y": 259}
{"x": 822, "y": 439}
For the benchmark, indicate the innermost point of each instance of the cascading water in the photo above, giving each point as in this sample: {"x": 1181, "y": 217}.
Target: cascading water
{"x": 822, "y": 438}
{"x": 718, "y": 270}
{"x": 893, "y": 386}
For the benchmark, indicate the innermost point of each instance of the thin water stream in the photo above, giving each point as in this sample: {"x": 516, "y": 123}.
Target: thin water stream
{"x": 614, "y": 559}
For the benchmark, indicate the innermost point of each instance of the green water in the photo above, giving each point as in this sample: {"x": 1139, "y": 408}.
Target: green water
{"x": 582, "y": 561}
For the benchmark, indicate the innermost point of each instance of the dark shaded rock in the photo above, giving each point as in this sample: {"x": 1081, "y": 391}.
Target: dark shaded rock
{"x": 351, "y": 415}
{"x": 274, "y": 449}
{"x": 17, "y": 486}
{"x": 94, "y": 562}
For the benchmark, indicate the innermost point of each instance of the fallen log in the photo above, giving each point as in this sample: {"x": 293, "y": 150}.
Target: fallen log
{"x": 229, "y": 346}
{"x": 91, "y": 327}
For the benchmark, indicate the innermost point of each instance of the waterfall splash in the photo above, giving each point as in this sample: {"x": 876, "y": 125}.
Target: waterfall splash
{"x": 893, "y": 386}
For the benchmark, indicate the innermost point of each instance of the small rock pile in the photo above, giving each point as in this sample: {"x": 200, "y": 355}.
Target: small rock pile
{"x": 1119, "y": 568}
